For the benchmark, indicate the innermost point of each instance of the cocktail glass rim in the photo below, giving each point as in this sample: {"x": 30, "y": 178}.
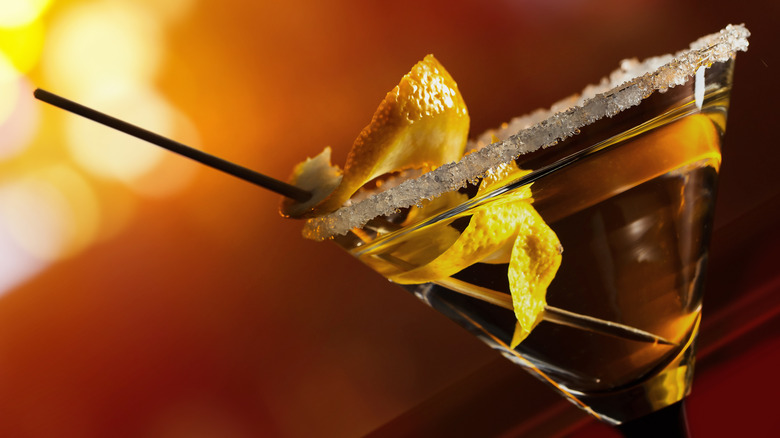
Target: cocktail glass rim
{"x": 626, "y": 88}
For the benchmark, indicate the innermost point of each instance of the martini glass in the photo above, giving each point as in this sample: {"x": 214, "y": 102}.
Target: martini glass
{"x": 625, "y": 175}
{"x": 631, "y": 199}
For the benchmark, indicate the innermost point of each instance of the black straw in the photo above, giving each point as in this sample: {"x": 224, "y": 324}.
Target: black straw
{"x": 259, "y": 179}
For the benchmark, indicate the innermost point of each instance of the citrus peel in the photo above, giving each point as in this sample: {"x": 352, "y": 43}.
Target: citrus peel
{"x": 507, "y": 230}
{"x": 488, "y": 236}
{"x": 317, "y": 176}
{"x": 536, "y": 256}
{"x": 421, "y": 123}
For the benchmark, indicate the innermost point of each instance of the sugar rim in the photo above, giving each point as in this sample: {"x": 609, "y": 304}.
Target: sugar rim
{"x": 625, "y": 88}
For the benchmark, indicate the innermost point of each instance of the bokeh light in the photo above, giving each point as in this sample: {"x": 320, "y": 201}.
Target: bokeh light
{"x": 33, "y": 213}
{"x": 16, "y": 13}
{"x": 51, "y": 213}
{"x": 16, "y": 264}
{"x": 78, "y": 183}
{"x": 91, "y": 43}
{"x": 8, "y": 87}
{"x": 107, "y": 153}
{"x": 171, "y": 173}
{"x": 23, "y": 45}
{"x": 18, "y": 116}
{"x": 169, "y": 10}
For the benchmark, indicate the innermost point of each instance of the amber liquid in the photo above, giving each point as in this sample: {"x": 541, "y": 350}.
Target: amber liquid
{"x": 633, "y": 216}
{"x": 636, "y": 258}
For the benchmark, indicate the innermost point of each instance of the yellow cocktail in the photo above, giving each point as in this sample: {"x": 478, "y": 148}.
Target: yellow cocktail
{"x": 573, "y": 241}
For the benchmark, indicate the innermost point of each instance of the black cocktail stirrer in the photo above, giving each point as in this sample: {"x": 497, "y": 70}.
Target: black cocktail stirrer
{"x": 241, "y": 172}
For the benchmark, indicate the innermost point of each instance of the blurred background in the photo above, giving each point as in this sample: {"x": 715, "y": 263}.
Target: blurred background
{"x": 142, "y": 295}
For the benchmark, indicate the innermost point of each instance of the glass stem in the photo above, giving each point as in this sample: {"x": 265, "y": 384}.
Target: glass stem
{"x": 669, "y": 422}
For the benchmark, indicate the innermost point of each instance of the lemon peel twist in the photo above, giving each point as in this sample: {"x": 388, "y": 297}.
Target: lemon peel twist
{"x": 421, "y": 123}
{"x": 508, "y": 230}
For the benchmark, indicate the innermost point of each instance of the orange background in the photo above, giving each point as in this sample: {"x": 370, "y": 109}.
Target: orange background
{"x": 197, "y": 311}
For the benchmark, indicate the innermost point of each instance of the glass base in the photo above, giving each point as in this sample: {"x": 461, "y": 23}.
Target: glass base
{"x": 669, "y": 422}
{"x": 668, "y": 386}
